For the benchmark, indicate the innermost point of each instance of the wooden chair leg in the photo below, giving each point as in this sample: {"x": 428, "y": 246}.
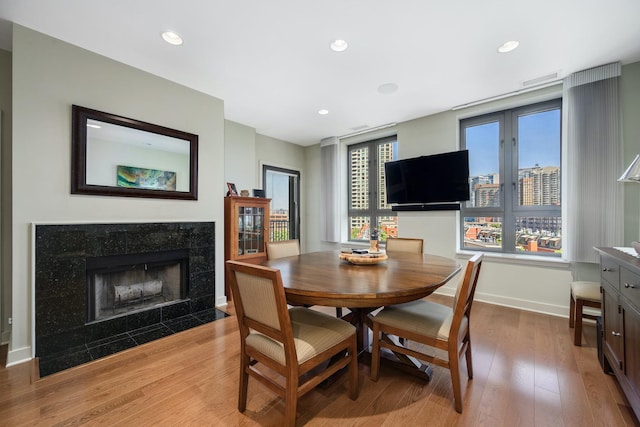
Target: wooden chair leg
{"x": 572, "y": 310}
{"x": 454, "y": 367}
{"x": 375, "y": 353}
{"x": 291, "y": 402}
{"x": 244, "y": 382}
{"x": 468, "y": 358}
{"x": 577, "y": 332}
{"x": 353, "y": 370}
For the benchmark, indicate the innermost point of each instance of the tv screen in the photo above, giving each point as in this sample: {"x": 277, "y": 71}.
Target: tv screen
{"x": 439, "y": 178}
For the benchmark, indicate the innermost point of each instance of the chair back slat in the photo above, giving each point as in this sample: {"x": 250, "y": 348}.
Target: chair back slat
{"x": 404, "y": 244}
{"x": 260, "y": 302}
{"x": 258, "y": 299}
{"x": 283, "y": 249}
{"x": 465, "y": 292}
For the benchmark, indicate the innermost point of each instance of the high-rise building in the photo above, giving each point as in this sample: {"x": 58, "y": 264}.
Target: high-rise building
{"x": 539, "y": 186}
{"x": 474, "y": 181}
{"x": 487, "y": 195}
{"x": 360, "y": 184}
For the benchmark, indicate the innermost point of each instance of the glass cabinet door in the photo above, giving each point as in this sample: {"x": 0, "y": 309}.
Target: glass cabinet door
{"x": 250, "y": 230}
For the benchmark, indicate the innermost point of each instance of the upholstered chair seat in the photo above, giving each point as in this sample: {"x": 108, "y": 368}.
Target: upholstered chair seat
{"x": 583, "y": 294}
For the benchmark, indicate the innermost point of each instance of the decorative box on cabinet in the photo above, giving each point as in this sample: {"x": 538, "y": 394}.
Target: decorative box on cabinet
{"x": 246, "y": 228}
{"x": 620, "y": 279}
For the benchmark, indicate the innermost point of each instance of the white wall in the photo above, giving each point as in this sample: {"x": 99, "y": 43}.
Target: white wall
{"x": 5, "y": 195}
{"x": 630, "y": 102}
{"x": 48, "y": 77}
{"x": 239, "y": 155}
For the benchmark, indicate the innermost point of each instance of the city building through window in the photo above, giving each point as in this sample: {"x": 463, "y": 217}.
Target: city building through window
{"x": 282, "y": 186}
{"x": 368, "y": 208}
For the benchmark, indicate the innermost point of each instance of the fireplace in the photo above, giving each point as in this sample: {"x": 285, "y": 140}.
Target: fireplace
{"x": 97, "y": 283}
{"x": 124, "y": 284}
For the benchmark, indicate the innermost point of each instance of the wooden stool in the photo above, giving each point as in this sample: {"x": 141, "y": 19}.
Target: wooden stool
{"x": 582, "y": 294}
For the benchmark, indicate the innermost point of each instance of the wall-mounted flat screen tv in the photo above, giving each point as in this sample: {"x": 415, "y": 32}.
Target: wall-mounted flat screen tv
{"x": 439, "y": 178}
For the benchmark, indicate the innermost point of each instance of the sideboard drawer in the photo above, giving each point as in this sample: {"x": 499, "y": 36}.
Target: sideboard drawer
{"x": 630, "y": 286}
{"x": 610, "y": 271}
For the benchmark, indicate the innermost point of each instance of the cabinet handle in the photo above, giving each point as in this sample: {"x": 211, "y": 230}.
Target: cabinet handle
{"x": 628, "y": 286}
{"x": 605, "y": 269}
{"x": 615, "y": 334}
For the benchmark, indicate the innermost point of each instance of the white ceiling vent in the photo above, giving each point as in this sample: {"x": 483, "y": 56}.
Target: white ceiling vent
{"x": 542, "y": 79}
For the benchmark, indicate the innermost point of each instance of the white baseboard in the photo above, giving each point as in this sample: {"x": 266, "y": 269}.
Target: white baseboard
{"x": 20, "y": 355}
{"x": 221, "y": 301}
{"x": 537, "y": 307}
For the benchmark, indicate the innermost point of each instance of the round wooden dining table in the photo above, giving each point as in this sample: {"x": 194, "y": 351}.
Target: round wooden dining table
{"x": 322, "y": 278}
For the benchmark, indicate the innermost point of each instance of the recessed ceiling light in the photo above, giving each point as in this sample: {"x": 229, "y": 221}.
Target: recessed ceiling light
{"x": 339, "y": 45}
{"x": 387, "y": 88}
{"x": 172, "y": 38}
{"x": 323, "y": 112}
{"x": 508, "y": 46}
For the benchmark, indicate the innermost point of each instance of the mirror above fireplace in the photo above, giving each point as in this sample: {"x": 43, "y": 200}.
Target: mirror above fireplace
{"x": 118, "y": 156}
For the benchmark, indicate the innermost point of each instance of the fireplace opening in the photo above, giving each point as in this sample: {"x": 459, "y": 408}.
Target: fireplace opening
{"x": 123, "y": 284}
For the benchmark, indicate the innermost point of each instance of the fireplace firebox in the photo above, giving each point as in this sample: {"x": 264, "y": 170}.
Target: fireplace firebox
{"x": 124, "y": 284}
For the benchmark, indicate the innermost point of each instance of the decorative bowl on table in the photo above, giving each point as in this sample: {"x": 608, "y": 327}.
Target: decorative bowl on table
{"x": 363, "y": 259}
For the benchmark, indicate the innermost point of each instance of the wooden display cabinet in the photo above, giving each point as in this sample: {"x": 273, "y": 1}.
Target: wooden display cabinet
{"x": 246, "y": 229}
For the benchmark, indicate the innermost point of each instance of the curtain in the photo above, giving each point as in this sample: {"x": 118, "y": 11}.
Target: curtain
{"x": 330, "y": 190}
{"x": 594, "y": 199}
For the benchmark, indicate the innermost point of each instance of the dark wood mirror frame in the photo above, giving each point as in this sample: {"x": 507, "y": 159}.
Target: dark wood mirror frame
{"x": 79, "y": 184}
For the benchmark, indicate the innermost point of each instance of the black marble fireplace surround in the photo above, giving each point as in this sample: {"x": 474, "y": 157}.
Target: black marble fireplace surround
{"x": 63, "y": 335}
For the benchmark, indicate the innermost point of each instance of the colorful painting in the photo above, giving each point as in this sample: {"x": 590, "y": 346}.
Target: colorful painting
{"x": 151, "y": 179}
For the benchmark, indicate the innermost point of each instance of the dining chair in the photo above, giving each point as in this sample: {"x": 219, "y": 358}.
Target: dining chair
{"x": 583, "y": 294}
{"x": 434, "y": 325}
{"x": 291, "y": 342}
{"x": 404, "y": 244}
{"x": 283, "y": 249}
{"x": 286, "y": 248}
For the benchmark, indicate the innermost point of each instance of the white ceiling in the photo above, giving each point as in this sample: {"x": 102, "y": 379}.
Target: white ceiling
{"x": 271, "y": 64}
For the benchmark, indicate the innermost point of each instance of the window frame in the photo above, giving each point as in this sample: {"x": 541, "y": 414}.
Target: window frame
{"x": 510, "y": 209}
{"x": 373, "y": 212}
{"x": 294, "y": 195}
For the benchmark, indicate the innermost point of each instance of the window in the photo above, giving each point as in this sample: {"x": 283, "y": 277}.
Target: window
{"x": 367, "y": 196}
{"x": 282, "y": 186}
{"x": 514, "y": 180}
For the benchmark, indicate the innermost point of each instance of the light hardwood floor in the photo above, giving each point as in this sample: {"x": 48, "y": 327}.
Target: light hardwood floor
{"x": 527, "y": 372}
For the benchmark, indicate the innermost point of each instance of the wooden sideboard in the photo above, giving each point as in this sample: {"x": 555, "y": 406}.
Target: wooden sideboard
{"x": 620, "y": 287}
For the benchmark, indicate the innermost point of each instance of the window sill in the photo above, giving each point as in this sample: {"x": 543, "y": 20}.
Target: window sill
{"x": 530, "y": 260}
